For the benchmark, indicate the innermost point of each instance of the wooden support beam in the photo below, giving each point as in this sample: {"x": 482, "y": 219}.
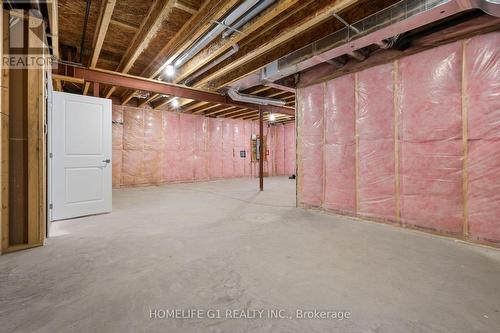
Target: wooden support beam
{"x": 105, "y": 14}
{"x": 140, "y": 83}
{"x": 158, "y": 12}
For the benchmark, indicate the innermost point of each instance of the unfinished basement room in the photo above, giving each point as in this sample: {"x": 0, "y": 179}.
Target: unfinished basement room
{"x": 250, "y": 166}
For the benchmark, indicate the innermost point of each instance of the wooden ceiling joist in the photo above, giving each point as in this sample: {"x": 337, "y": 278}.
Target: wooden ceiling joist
{"x": 205, "y": 109}
{"x": 124, "y": 25}
{"x": 188, "y": 34}
{"x": 220, "y": 111}
{"x": 184, "y": 7}
{"x": 194, "y": 106}
{"x": 158, "y": 12}
{"x": 222, "y": 45}
{"x": 281, "y": 37}
{"x": 148, "y": 100}
{"x": 103, "y": 21}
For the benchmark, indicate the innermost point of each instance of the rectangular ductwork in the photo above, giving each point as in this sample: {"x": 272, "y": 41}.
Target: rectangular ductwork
{"x": 377, "y": 29}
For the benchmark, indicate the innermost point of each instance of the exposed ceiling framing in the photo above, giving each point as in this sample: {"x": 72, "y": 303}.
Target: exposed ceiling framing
{"x": 142, "y": 37}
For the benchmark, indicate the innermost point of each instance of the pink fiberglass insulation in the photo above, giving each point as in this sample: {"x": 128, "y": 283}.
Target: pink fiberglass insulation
{"x": 152, "y": 169}
{"x": 133, "y": 146}
{"x": 170, "y": 126}
{"x": 133, "y": 129}
{"x": 117, "y": 143}
{"x": 186, "y": 147}
{"x": 289, "y": 149}
{"x": 227, "y": 148}
{"x": 117, "y": 128}
{"x": 239, "y": 145}
{"x": 279, "y": 150}
{"x": 340, "y": 147}
{"x": 200, "y": 149}
{"x": 215, "y": 148}
{"x": 310, "y": 109}
{"x": 153, "y": 130}
{"x": 483, "y": 109}
{"x": 248, "y": 148}
{"x": 153, "y": 147}
{"x": 375, "y": 129}
{"x": 117, "y": 168}
{"x": 430, "y": 133}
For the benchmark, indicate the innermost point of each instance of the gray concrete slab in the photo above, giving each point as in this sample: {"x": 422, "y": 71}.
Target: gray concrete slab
{"x": 224, "y": 246}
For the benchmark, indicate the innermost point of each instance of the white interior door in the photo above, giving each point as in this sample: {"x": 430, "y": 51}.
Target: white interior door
{"x": 81, "y": 155}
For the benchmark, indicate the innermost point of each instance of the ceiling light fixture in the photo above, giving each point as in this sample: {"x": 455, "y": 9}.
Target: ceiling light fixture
{"x": 272, "y": 117}
{"x": 170, "y": 70}
{"x": 175, "y": 103}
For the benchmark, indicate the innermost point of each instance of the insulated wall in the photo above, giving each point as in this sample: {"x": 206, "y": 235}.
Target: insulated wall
{"x": 339, "y": 191}
{"x": 311, "y": 111}
{"x": 415, "y": 142}
{"x": 430, "y": 139}
{"x": 482, "y": 84}
{"x": 375, "y": 128}
{"x": 154, "y": 147}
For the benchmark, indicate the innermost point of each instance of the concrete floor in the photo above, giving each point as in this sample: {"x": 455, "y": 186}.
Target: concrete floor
{"x": 223, "y": 245}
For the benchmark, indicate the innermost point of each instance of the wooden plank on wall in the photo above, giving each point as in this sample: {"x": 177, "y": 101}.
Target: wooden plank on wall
{"x": 17, "y": 153}
{"x": 4, "y": 136}
{"x": 35, "y": 115}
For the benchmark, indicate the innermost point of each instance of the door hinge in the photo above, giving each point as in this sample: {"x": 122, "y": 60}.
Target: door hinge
{"x": 50, "y": 206}
{"x": 50, "y": 155}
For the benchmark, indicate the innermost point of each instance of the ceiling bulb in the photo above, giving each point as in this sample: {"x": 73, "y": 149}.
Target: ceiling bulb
{"x": 170, "y": 71}
{"x": 175, "y": 103}
{"x": 272, "y": 117}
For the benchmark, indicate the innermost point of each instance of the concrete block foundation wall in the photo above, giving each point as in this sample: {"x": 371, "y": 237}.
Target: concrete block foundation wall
{"x": 154, "y": 147}
{"x": 415, "y": 142}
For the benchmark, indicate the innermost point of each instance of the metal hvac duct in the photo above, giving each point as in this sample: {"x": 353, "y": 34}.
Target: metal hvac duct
{"x": 236, "y": 96}
{"x": 217, "y": 61}
{"x": 377, "y": 29}
{"x": 214, "y": 32}
{"x": 247, "y": 17}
